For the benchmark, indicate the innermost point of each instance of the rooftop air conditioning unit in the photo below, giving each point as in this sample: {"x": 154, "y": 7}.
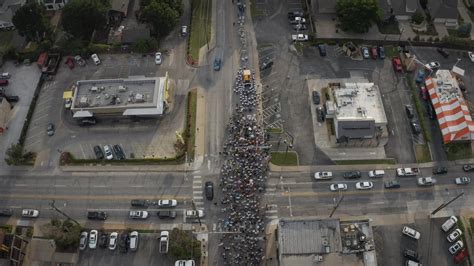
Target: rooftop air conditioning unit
{"x": 139, "y": 98}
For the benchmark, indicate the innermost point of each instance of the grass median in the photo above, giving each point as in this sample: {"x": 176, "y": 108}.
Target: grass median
{"x": 200, "y": 32}
{"x": 282, "y": 158}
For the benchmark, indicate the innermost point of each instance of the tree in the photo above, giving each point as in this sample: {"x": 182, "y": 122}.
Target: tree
{"x": 417, "y": 18}
{"x": 66, "y": 234}
{"x": 14, "y": 154}
{"x": 163, "y": 15}
{"x": 31, "y": 22}
{"x": 464, "y": 30}
{"x": 145, "y": 45}
{"x": 357, "y": 15}
{"x": 184, "y": 245}
{"x": 82, "y": 17}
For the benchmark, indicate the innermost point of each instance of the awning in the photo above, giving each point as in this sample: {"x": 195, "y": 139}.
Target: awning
{"x": 80, "y": 114}
{"x": 67, "y": 95}
{"x": 143, "y": 111}
{"x": 458, "y": 71}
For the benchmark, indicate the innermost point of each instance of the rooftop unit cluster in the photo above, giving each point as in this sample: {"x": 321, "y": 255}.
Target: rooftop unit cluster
{"x": 106, "y": 98}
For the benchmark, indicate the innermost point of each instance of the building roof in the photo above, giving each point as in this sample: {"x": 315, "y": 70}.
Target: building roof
{"x": 447, "y": 9}
{"x": 451, "y": 109}
{"x": 359, "y": 101}
{"x": 120, "y": 6}
{"x": 399, "y": 7}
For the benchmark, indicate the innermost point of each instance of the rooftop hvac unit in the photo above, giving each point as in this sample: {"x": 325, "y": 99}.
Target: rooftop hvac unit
{"x": 84, "y": 102}
{"x": 139, "y": 98}
{"x": 94, "y": 89}
{"x": 122, "y": 88}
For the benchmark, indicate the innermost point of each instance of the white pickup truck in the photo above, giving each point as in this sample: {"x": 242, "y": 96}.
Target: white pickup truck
{"x": 408, "y": 171}
{"x": 299, "y": 37}
{"x": 164, "y": 242}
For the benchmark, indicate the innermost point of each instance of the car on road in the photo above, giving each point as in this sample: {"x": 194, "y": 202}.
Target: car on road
{"x": 99, "y": 155}
{"x": 433, "y": 66}
{"x": 134, "y": 241}
{"x": 364, "y": 185}
{"x": 409, "y": 110}
{"x": 376, "y": 173}
{"x": 397, "y": 64}
{"x": 468, "y": 168}
{"x": 441, "y": 170}
{"x": 184, "y": 31}
{"x": 123, "y": 242}
{"x": 462, "y": 180}
{"x": 96, "y": 215}
{"x": 471, "y": 56}
{"x": 140, "y": 203}
{"x": 217, "y": 64}
{"x": 119, "y": 154}
{"x": 338, "y": 187}
{"x": 103, "y": 240}
{"x": 93, "y": 239}
{"x": 461, "y": 256}
{"x": 184, "y": 263}
{"x": 426, "y": 181}
{"x": 293, "y": 14}
{"x": 316, "y": 97}
{"x": 322, "y": 50}
{"x": 365, "y": 52}
{"x": 209, "y": 190}
{"x": 138, "y": 214}
{"x": 456, "y": 247}
{"x": 415, "y": 127}
{"x": 381, "y": 52}
{"x": 6, "y": 212}
{"x": 50, "y": 129}
{"x": 158, "y": 58}
{"x": 166, "y": 214}
{"x": 323, "y": 175}
{"x": 29, "y": 213}
{"x": 320, "y": 114}
{"x": 412, "y": 255}
{"x": 113, "y": 240}
{"x": 392, "y": 184}
{"x": 167, "y": 203}
{"x": 96, "y": 59}
{"x": 443, "y": 52}
{"x": 351, "y": 174}
{"x": 83, "y": 241}
{"x": 373, "y": 53}
{"x": 408, "y": 231}
{"x": 67, "y": 103}
{"x": 454, "y": 235}
{"x": 194, "y": 214}
{"x": 108, "y": 152}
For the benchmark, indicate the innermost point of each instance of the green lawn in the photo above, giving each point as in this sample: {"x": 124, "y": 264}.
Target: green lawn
{"x": 422, "y": 153}
{"x": 284, "y": 159}
{"x": 391, "y": 51}
{"x": 200, "y": 26}
{"x": 389, "y": 28}
{"x": 456, "y": 151}
{"x": 191, "y": 122}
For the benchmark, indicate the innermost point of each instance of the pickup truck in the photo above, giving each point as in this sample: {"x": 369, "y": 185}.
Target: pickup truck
{"x": 164, "y": 242}
{"x": 299, "y": 37}
{"x": 426, "y": 181}
{"x": 408, "y": 171}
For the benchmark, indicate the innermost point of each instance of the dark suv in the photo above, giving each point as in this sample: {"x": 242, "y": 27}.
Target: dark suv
{"x": 118, "y": 152}
{"x": 411, "y": 254}
{"x": 410, "y": 111}
{"x": 443, "y": 52}
{"x": 139, "y": 203}
{"x": 96, "y": 215}
{"x": 98, "y": 153}
{"x": 6, "y": 212}
{"x": 124, "y": 241}
{"x": 209, "y": 190}
{"x": 351, "y": 174}
{"x": 166, "y": 214}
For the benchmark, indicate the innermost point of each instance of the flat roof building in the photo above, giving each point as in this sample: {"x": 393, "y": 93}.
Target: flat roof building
{"x": 451, "y": 110}
{"x": 357, "y": 110}
{"x": 121, "y": 97}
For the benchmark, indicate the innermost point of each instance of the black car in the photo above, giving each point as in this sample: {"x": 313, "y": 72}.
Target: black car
{"x": 87, "y": 121}
{"x": 139, "y": 203}
{"x": 440, "y": 170}
{"x": 411, "y": 254}
{"x": 6, "y": 212}
{"x": 166, "y": 214}
{"x": 352, "y": 174}
{"x": 322, "y": 50}
{"x": 123, "y": 242}
{"x": 316, "y": 97}
{"x": 96, "y": 215}
{"x": 119, "y": 154}
{"x": 443, "y": 52}
{"x": 391, "y": 184}
{"x": 209, "y": 190}
{"x": 410, "y": 111}
{"x": 431, "y": 112}
{"x": 320, "y": 114}
{"x": 217, "y": 64}
{"x": 98, "y": 152}
{"x": 12, "y": 98}
{"x": 294, "y": 14}
{"x": 381, "y": 52}
{"x": 415, "y": 127}
{"x": 468, "y": 168}
{"x": 103, "y": 240}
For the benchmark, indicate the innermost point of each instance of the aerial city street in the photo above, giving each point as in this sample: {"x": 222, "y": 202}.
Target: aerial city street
{"x": 237, "y": 132}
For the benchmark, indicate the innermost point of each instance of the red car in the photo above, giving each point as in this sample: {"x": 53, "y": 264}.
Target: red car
{"x": 70, "y": 62}
{"x": 461, "y": 256}
{"x": 397, "y": 64}
{"x": 374, "y": 52}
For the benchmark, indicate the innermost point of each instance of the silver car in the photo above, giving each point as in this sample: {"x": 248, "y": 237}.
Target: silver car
{"x": 338, "y": 187}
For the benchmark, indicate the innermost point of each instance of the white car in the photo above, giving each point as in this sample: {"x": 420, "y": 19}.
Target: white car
{"x": 454, "y": 235}
{"x": 433, "y": 66}
{"x": 29, "y": 213}
{"x": 462, "y": 180}
{"x": 456, "y": 247}
{"x": 113, "y": 240}
{"x": 138, "y": 214}
{"x": 184, "y": 263}
{"x": 471, "y": 56}
{"x": 364, "y": 185}
{"x": 108, "y": 152}
{"x": 93, "y": 239}
{"x": 83, "y": 241}
{"x": 194, "y": 214}
{"x": 300, "y": 37}
{"x": 365, "y": 52}
{"x": 134, "y": 241}
{"x": 411, "y": 232}
{"x": 323, "y": 175}
{"x": 158, "y": 58}
{"x": 167, "y": 203}
{"x": 96, "y": 59}
{"x": 338, "y": 187}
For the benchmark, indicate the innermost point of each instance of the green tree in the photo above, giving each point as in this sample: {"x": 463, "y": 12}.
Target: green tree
{"x": 163, "y": 15}
{"x": 464, "y": 30}
{"x": 82, "y": 17}
{"x": 357, "y": 15}
{"x": 183, "y": 245}
{"x": 66, "y": 234}
{"x": 14, "y": 155}
{"x": 417, "y": 18}
{"x": 31, "y": 22}
{"x": 145, "y": 45}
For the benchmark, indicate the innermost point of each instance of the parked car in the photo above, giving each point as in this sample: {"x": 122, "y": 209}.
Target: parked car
{"x": 96, "y": 215}
{"x": 299, "y": 27}
{"x": 420, "y": 76}
{"x": 320, "y": 114}
{"x": 412, "y": 255}
{"x": 415, "y": 127}
{"x": 322, "y": 50}
{"x": 433, "y": 66}
{"x": 364, "y": 185}
{"x": 103, "y": 240}
{"x": 96, "y": 59}
{"x": 157, "y": 58}
{"x": 461, "y": 256}
{"x": 373, "y": 51}
{"x": 134, "y": 241}
{"x": 316, "y": 97}
{"x": 108, "y": 152}
{"x": 456, "y": 247}
{"x": 50, "y": 129}
{"x": 123, "y": 242}
{"x": 338, "y": 187}
{"x": 194, "y": 214}
{"x": 29, "y": 213}
{"x": 167, "y": 203}
{"x": 431, "y": 112}
{"x": 267, "y": 63}
{"x": 3, "y": 82}
{"x": 468, "y": 168}
{"x": 471, "y": 56}
{"x": 441, "y": 170}
{"x": 325, "y": 175}
{"x": 411, "y": 232}
{"x": 409, "y": 110}
{"x": 5, "y": 75}
{"x": 454, "y": 235}
{"x": 376, "y": 173}
{"x": 140, "y": 203}
{"x": 138, "y": 214}
{"x": 426, "y": 181}
{"x": 450, "y": 223}
{"x": 83, "y": 241}
{"x": 424, "y": 93}
{"x": 6, "y": 212}
{"x": 293, "y": 14}
{"x": 217, "y": 64}
{"x": 365, "y": 52}
{"x": 81, "y": 62}
{"x": 93, "y": 239}
{"x": 351, "y": 174}
{"x": 113, "y": 240}
{"x": 300, "y": 37}
{"x": 90, "y": 121}
{"x": 462, "y": 180}
{"x": 70, "y": 62}
{"x": 67, "y": 103}
{"x": 119, "y": 154}
{"x": 298, "y": 20}
{"x": 98, "y": 152}
{"x": 184, "y": 31}
{"x": 209, "y": 190}
{"x": 397, "y": 64}
{"x": 392, "y": 184}
{"x": 443, "y": 52}
{"x": 166, "y": 214}
{"x": 381, "y": 52}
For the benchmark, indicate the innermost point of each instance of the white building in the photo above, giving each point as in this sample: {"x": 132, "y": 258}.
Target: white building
{"x": 53, "y": 4}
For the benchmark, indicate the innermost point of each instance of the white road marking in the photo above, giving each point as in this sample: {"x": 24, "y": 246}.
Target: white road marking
{"x": 21, "y": 185}
{"x": 198, "y": 197}
{"x": 197, "y": 192}
{"x": 100, "y": 186}
{"x": 60, "y": 186}
{"x": 199, "y": 187}
{"x": 271, "y": 211}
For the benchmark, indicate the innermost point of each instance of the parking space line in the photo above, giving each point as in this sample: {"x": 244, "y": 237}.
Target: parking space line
{"x": 82, "y": 150}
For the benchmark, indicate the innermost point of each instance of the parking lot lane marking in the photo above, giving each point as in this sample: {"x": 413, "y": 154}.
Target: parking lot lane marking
{"x": 271, "y": 211}
{"x": 83, "y": 153}
{"x": 272, "y": 217}
{"x": 137, "y": 186}
{"x": 197, "y": 192}
{"x": 197, "y": 181}
{"x": 198, "y": 187}
{"x": 199, "y": 203}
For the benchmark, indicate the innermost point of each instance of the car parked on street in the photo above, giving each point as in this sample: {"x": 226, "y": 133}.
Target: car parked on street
{"x": 365, "y": 52}
{"x": 83, "y": 241}
{"x": 468, "y": 168}
{"x": 381, "y": 52}
{"x": 456, "y": 247}
{"x": 138, "y": 214}
{"x": 415, "y": 127}
{"x": 140, "y": 203}
{"x": 93, "y": 239}
{"x": 443, "y": 52}
{"x": 99, "y": 155}
{"x": 352, "y": 174}
{"x": 167, "y": 203}
{"x": 323, "y": 175}
{"x": 166, "y": 214}
{"x": 119, "y": 154}
{"x": 96, "y": 215}
{"x": 409, "y": 110}
{"x": 6, "y": 212}
{"x": 433, "y": 66}
{"x": 113, "y": 240}
{"x": 338, "y": 187}
{"x": 408, "y": 231}
{"x": 392, "y": 184}
{"x": 90, "y": 121}
{"x": 426, "y": 181}
{"x": 454, "y": 235}
{"x": 209, "y": 190}
{"x": 462, "y": 180}
{"x": 29, "y": 213}
{"x": 365, "y": 185}
{"x": 322, "y": 50}
{"x": 321, "y": 116}
{"x": 300, "y": 27}
{"x": 471, "y": 56}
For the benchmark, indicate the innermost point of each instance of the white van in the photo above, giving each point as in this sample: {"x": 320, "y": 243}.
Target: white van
{"x": 134, "y": 241}
{"x": 449, "y": 223}
{"x": 376, "y": 173}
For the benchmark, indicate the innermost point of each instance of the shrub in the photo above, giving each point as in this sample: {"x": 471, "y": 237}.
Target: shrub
{"x": 417, "y": 18}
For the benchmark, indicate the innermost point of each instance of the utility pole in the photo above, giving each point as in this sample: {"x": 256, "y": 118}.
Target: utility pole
{"x": 62, "y": 213}
{"x": 336, "y": 206}
{"x": 442, "y": 206}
